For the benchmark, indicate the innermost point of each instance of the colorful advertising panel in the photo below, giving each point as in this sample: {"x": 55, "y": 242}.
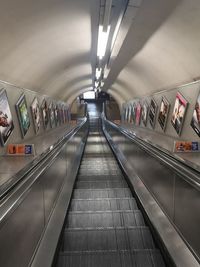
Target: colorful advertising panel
{"x": 23, "y": 115}
{"x": 51, "y": 115}
{"x": 35, "y": 110}
{"x": 163, "y": 113}
{"x": 195, "y": 122}
{"x": 138, "y": 113}
{"x": 45, "y": 115}
{"x": 152, "y": 113}
{"x": 179, "y": 112}
{"x": 186, "y": 146}
{"x": 6, "y": 121}
{"x": 145, "y": 110}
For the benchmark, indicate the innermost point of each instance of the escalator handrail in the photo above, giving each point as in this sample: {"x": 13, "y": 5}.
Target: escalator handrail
{"x": 186, "y": 172}
{"x": 13, "y": 198}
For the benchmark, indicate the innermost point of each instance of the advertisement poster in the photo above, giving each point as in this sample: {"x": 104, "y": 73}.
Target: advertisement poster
{"x": 20, "y": 150}
{"x": 45, "y": 115}
{"x": 186, "y": 146}
{"x": 179, "y": 112}
{"x": 23, "y": 116}
{"x": 138, "y": 114}
{"x": 133, "y": 111}
{"x": 6, "y": 121}
{"x": 59, "y": 115}
{"x": 35, "y": 110}
{"x": 56, "y": 115}
{"x": 51, "y": 115}
{"x": 195, "y": 122}
{"x": 123, "y": 114}
{"x": 130, "y": 114}
{"x": 163, "y": 113}
{"x": 66, "y": 115}
{"x": 126, "y": 114}
{"x": 152, "y": 113}
{"x": 62, "y": 114}
{"x": 145, "y": 111}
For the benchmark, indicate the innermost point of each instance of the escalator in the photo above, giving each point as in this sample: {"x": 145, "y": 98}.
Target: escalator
{"x": 104, "y": 226}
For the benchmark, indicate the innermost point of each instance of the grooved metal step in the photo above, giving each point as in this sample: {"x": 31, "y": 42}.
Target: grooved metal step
{"x": 107, "y": 239}
{"x": 104, "y": 227}
{"x": 100, "y": 177}
{"x": 104, "y": 193}
{"x": 105, "y": 204}
{"x": 136, "y": 258}
{"x": 105, "y": 219}
{"x": 101, "y": 184}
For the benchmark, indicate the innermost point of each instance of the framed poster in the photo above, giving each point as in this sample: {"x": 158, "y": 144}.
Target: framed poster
{"x": 45, "y": 115}
{"x": 126, "y": 113}
{"x": 133, "y": 112}
{"x": 145, "y": 110}
{"x": 66, "y": 115}
{"x": 6, "y": 120}
{"x": 35, "y": 110}
{"x": 51, "y": 115}
{"x": 163, "y": 113}
{"x": 138, "y": 113}
{"x": 195, "y": 122}
{"x": 123, "y": 112}
{"x": 23, "y": 116}
{"x": 179, "y": 112}
{"x": 56, "y": 115}
{"x": 63, "y": 114}
{"x": 129, "y": 113}
{"x": 152, "y": 112}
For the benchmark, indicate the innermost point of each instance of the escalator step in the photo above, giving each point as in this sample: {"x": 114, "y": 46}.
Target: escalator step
{"x": 98, "y": 193}
{"x": 100, "y": 177}
{"x": 137, "y": 258}
{"x": 105, "y": 219}
{"x": 101, "y": 184}
{"x": 103, "y": 204}
{"x": 108, "y": 239}
{"x": 104, "y": 226}
{"x": 99, "y": 171}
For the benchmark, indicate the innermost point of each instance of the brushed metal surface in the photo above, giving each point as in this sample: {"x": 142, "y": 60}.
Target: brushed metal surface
{"x": 186, "y": 215}
{"x": 104, "y": 226}
{"x": 19, "y": 235}
{"x": 153, "y": 180}
{"x": 25, "y": 212}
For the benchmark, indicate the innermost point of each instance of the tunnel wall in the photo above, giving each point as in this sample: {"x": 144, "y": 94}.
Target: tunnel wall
{"x": 165, "y": 139}
{"x": 13, "y": 94}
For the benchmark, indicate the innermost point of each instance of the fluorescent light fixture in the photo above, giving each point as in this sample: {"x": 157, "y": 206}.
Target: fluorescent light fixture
{"x": 98, "y": 73}
{"x": 96, "y": 84}
{"x": 102, "y": 41}
{"x": 89, "y": 95}
{"x": 116, "y": 31}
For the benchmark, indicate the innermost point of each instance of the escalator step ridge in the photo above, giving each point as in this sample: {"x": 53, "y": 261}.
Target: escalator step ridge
{"x": 104, "y": 226}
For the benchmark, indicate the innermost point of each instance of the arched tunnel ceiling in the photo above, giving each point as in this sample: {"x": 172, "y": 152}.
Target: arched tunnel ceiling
{"x": 160, "y": 51}
{"x": 50, "y": 46}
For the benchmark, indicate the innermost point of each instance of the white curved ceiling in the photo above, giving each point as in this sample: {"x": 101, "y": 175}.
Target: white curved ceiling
{"x": 160, "y": 51}
{"x": 50, "y": 46}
